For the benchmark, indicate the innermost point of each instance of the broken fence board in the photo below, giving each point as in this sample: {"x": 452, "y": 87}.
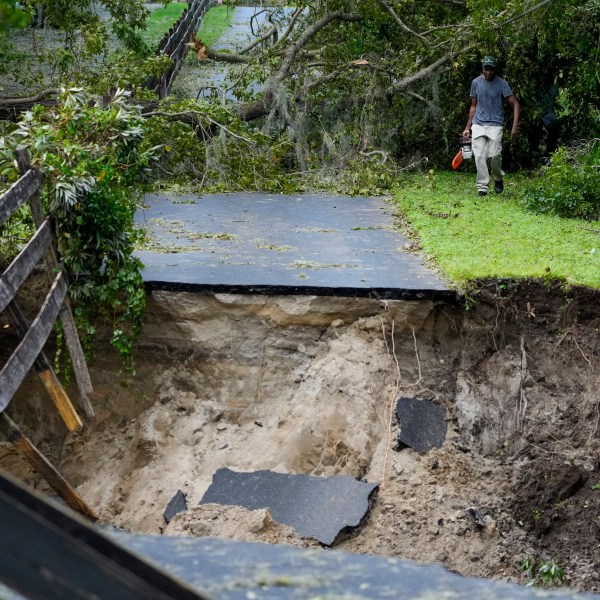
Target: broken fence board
{"x": 17, "y": 366}
{"x": 18, "y": 194}
{"x": 20, "y": 268}
{"x": 43, "y": 466}
{"x": 82, "y": 375}
{"x": 61, "y": 399}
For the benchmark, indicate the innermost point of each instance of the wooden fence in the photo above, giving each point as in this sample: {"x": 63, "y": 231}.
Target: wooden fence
{"x": 174, "y": 43}
{"x": 29, "y": 352}
{"x": 56, "y": 305}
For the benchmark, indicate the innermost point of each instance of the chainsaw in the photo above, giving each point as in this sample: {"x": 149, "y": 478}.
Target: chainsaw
{"x": 465, "y": 152}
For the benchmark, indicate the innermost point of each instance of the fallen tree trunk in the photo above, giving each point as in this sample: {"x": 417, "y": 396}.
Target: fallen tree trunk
{"x": 11, "y": 109}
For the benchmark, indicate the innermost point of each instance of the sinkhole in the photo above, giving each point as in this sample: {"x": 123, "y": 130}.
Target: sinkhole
{"x": 300, "y": 384}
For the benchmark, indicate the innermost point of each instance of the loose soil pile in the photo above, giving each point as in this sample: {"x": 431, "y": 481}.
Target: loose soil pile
{"x": 305, "y": 385}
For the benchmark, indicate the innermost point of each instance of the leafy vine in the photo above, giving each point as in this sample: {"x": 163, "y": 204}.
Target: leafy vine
{"x": 94, "y": 158}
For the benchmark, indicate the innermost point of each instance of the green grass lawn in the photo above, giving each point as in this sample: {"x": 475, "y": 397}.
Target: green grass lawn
{"x": 214, "y": 22}
{"x": 160, "y": 20}
{"x": 472, "y": 238}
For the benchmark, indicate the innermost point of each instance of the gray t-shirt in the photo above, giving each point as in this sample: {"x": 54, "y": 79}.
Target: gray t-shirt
{"x": 490, "y": 100}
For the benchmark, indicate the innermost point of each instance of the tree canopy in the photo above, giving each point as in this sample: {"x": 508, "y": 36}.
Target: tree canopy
{"x": 387, "y": 75}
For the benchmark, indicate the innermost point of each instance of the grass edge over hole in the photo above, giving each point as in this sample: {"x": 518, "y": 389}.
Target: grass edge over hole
{"x": 471, "y": 237}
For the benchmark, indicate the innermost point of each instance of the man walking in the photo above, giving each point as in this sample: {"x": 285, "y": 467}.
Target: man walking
{"x": 484, "y": 127}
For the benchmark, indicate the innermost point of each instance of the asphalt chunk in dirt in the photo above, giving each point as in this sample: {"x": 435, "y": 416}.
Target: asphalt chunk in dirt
{"x": 177, "y": 504}
{"x": 422, "y": 424}
{"x": 316, "y": 507}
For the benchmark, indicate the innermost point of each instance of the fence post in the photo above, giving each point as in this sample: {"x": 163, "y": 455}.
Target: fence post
{"x": 82, "y": 374}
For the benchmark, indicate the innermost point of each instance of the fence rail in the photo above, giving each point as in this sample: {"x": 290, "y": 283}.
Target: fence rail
{"x": 20, "y": 268}
{"x": 17, "y": 366}
{"x": 18, "y": 194}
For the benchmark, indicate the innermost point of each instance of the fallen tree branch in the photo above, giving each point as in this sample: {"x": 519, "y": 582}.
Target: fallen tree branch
{"x": 292, "y": 52}
{"x": 290, "y": 27}
{"x": 229, "y": 57}
{"x": 384, "y": 155}
{"x": 425, "y": 72}
{"x": 429, "y": 103}
{"x": 257, "y": 41}
{"x": 332, "y": 76}
{"x": 29, "y": 99}
{"x": 12, "y": 108}
{"x": 161, "y": 113}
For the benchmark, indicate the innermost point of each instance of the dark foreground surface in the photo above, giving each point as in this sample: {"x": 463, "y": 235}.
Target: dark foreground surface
{"x": 265, "y": 243}
{"x": 233, "y": 570}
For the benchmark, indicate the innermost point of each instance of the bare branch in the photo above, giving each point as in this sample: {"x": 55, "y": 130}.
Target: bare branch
{"x": 459, "y": 26}
{"x": 384, "y": 155}
{"x": 325, "y": 79}
{"x": 312, "y": 53}
{"x": 255, "y": 16}
{"x": 314, "y": 65}
{"x": 309, "y": 32}
{"x": 429, "y": 103}
{"x": 290, "y": 27}
{"x": 260, "y": 40}
{"x": 408, "y": 81}
{"x": 543, "y": 3}
{"x": 29, "y": 99}
{"x": 334, "y": 74}
{"x": 399, "y": 21}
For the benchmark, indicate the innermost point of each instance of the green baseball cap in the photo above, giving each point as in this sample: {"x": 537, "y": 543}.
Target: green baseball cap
{"x": 489, "y": 61}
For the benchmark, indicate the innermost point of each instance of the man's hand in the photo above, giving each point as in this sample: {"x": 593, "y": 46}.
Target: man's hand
{"x": 466, "y": 133}
{"x": 514, "y": 131}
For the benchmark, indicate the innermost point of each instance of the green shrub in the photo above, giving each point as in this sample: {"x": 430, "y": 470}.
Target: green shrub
{"x": 94, "y": 158}
{"x": 542, "y": 573}
{"x": 570, "y": 184}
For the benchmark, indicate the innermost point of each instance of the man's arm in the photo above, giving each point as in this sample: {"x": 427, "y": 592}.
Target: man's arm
{"x": 467, "y": 132}
{"x": 514, "y": 104}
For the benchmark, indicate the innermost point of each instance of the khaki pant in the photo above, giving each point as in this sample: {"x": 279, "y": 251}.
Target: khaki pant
{"x": 487, "y": 143}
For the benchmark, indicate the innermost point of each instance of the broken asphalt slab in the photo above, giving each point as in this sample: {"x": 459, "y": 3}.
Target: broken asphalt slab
{"x": 315, "y": 507}
{"x": 177, "y": 504}
{"x": 422, "y": 424}
{"x": 274, "y": 244}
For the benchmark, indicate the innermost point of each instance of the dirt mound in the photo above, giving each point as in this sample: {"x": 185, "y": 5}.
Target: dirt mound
{"x": 235, "y": 523}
